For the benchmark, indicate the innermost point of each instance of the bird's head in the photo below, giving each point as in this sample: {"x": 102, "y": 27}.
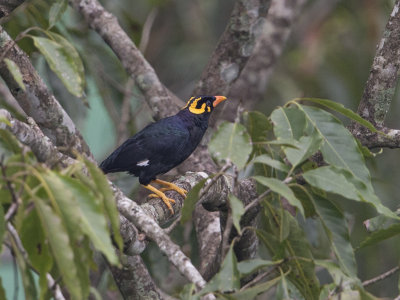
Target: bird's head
{"x": 203, "y": 104}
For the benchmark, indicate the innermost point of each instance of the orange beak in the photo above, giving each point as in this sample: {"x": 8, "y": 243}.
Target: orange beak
{"x": 218, "y": 100}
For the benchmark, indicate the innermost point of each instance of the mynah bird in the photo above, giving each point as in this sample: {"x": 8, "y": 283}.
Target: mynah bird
{"x": 163, "y": 145}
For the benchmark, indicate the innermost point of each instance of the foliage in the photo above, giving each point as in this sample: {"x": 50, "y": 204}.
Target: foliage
{"x": 62, "y": 218}
{"x": 314, "y": 190}
{"x": 63, "y": 214}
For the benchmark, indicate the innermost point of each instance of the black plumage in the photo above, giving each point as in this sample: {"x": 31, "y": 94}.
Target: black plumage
{"x": 162, "y": 145}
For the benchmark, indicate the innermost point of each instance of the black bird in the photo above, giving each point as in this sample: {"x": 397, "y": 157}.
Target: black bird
{"x": 163, "y": 145}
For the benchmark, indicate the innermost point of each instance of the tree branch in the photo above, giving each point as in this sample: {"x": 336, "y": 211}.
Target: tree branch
{"x": 381, "y": 276}
{"x": 380, "y": 87}
{"x": 159, "y": 99}
{"x": 31, "y": 135}
{"x": 37, "y": 101}
{"x": 134, "y": 280}
{"x": 275, "y": 32}
{"x": 6, "y": 7}
{"x": 234, "y": 47}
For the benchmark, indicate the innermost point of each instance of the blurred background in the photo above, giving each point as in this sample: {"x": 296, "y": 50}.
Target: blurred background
{"x": 328, "y": 55}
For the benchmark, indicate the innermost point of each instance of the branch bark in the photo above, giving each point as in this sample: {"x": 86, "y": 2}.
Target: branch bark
{"x": 6, "y": 7}
{"x": 234, "y": 47}
{"x": 380, "y": 87}
{"x": 160, "y": 100}
{"x": 37, "y": 101}
{"x": 275, "y": 32}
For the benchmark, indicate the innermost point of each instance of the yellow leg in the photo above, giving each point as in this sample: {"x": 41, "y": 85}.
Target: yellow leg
{"x": 161, "y": 195}
{"x": 171, "y": 187}
{"x": 161, "y": 190}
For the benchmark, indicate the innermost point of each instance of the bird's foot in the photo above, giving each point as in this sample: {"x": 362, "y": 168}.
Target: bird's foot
{"x": 169, "y": 186}
{"x": 160, "y": 194}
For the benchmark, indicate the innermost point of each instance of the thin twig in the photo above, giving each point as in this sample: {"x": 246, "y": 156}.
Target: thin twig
{"x": 8, "y": 182}
{"x": 171, "y": 227}
{"x": 125, "y": 112}
{"x": 16, "y": 281}
{"x": 11, "y": 211}
{"x": 381, "y": 277}
{"x": 261, "y": 276}
{"x": 259, "y": 198}
{"x": 148, "y": 24}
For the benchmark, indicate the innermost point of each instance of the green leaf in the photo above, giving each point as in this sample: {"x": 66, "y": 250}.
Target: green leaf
{"x": 342, "y": 182}
{"x": 61, "y": 247}
{"x": 289, "y": 123}
{"x": 15, "y": 72}
{"x": 290, "y": 143}
{"x": 329, "y": 180}
{"x": 64, "y": 60}
{"x": 4, "y": 120}
{"x": 336, "y": 228}
{"x": 9, "y": 142}
{"x": 307, "y": 146}
{"x": 257, "y": 125}
{"x": 247, "y": 267}
{"x": 339, "y": 148}
{"x": 268, "y": 160}
{"x": 231, "y": 142}
{"x": 252, "y": 292}
{"x": 377, "y": 223}
{"x": 57, "y": 9}
{"x": 302, "y": 262}
{"x": 287, "y": 290}
{"x": 337, "y": 274}
{"x": 190, "y": 201}
{"x": 227, "y": 279}
{"x": 26, "y": 275}
{"x": 295, "y": 251}
{"x": 380, "y": 235}
{"x": 341, "y": 109}
{"x": 109, "y": 202}
{"x": 281, "y": 188}
{"x": 304, "y": 196}
{"x": 81, "y": 211}
{"x": 237, "y": 211}
{"x": 187, "y": 292}
{"x": 35, "y": 243}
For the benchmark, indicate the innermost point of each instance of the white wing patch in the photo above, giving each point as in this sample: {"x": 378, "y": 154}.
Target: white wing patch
{"x": 143, "y": 163}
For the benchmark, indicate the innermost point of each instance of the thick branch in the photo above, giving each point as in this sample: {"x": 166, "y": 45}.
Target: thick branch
{"x": 107, "y": 26}
{"x": 234, "y": 47}
{"x": 275, "y": 32}
{"x": 6, "y": 7}
{"x": 380, "y": 87}
{"x": 381, "y": 84}
{"x": 134, "y": 280}
{"x": 134, "y": 213}
{"x": 37, "y": 101}
{"x": 31, "y": 135}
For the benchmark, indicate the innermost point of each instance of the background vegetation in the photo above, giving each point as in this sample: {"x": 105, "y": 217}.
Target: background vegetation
{"x": 328, "y": 55}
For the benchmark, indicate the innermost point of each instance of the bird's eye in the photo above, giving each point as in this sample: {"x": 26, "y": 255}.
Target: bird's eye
{"x": 209, "y": 103}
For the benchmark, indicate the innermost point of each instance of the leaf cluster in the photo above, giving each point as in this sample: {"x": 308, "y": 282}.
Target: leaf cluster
{"x": 62, "y": 217}
{"x": 305, "y": 163}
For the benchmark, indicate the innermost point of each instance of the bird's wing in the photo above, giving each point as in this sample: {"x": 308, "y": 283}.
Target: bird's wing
{"x": 159, "y": 143}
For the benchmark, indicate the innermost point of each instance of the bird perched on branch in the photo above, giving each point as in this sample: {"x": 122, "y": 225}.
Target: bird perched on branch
{"x": 163, "y": 145}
